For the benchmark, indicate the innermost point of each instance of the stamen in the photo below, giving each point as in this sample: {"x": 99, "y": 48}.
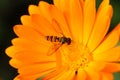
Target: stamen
{"x": 76, "y": 56}
{"x": 76, "y": 72}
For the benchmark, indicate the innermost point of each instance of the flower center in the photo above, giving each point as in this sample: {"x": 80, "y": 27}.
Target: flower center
{"x": 75, "y": 56}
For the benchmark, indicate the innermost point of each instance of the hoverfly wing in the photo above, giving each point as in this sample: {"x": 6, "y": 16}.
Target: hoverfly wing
{"x": 53, "y": 49}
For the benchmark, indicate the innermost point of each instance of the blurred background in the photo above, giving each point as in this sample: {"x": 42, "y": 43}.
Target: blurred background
{"x": 10, "y": 12}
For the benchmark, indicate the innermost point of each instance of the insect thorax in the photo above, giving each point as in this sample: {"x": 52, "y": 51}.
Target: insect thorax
{"x": 58, "y": 39}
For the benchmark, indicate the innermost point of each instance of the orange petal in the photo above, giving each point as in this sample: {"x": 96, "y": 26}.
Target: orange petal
{"x": 109, "y": 42}
{"x": 107, "y": 76}
{"x": 17, "y": 77}
{"x": 36, "y": 68}
{"x": 112, "y": 67}
{"x": 39, "y": 50}
{"x": 82, "y": 2}
{"x": 101, "y": 27}
{"x": 10, "y": 51}
{"x": 96, "y": 65}
{"x": 16, "y": 63}
{"x": 33, "y": 76}
{"x": 57, "y": 28}
{"x": 39, "y": 23}
{"x": 55, "y": 76}
{"x": 103, "y": 4}
{"x": 56, "y": 3}
{"x": 81, "y": 75}
{"x": 27, "y": 56}
{"x": 89, "y": 19}
{"x": 97, "y": 35}
{"x": 74, "y": 17}
{"x": 43, "y": 26}
{"x": 60, "y": 20}
{"x": 26, "y": 20}
{"x": 93, "y": 75}
{"x": 33, "y": 9}
{"x": 58, "y": 59}
{"x": 45, "y": 10}
{"x": 54, "y": 73}
{"x": 68, "y": 75}
{"x": 29, "y": 33}
{"x": 19, "y": 43}
{"x": 118, "y": 28}
{"x": 109, "y": 55}
{"x": 61, "y": 4}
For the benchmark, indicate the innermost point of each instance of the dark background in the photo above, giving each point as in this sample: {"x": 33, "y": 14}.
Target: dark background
{"x": 10, "y": 12}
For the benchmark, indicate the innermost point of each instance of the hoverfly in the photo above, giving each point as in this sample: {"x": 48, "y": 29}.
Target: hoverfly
{"x": 58, "y": 42}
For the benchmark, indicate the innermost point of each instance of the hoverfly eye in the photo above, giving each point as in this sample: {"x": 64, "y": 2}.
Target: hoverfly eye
{"x": 68, "y": 41}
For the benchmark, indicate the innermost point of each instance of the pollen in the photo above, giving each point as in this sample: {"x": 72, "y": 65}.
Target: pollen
{"x": 76, "y": 56}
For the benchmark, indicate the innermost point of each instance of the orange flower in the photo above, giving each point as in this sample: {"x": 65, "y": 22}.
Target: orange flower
{"x": 91, "y": 54}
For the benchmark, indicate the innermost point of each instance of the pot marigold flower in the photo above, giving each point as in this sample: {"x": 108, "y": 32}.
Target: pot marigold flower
{"x": 67, "y": 40}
